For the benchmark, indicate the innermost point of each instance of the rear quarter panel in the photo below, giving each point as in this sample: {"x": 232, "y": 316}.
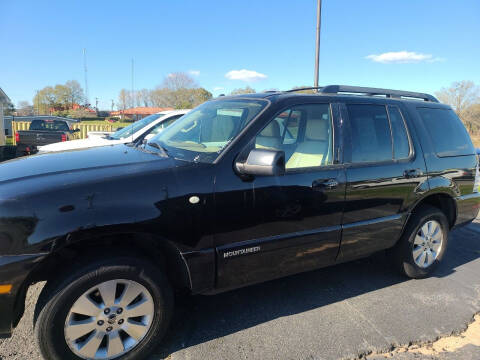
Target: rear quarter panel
{"x": 452, "y": 175}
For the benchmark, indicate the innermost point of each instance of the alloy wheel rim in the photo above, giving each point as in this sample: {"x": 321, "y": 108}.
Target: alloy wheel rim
{"x": 109, "y": 319}
{"x": 427, "y": 244}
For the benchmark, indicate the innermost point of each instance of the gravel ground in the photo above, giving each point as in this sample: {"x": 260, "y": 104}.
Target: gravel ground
{"x": 360, "y": 309}
{"x": 21, "y": 345}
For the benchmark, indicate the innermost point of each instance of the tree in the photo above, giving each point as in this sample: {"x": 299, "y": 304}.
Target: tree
{"x": 62, "y": 97}
{"x": 246, "y": 90}
{"x": 471, "y": 119}
{"x": 178, "y": 80}
{"x": 44, "y": 100}
{"x": 24, "y": 108}
{"x": 9, "y": 109}
{"x": 161, "y": 97}
{"x": 200, "y": 95}
{"x": 75, "y": 92}
{"x": 58, "y": 98}
{"x": 144, "y": 98}
{"x": 123, "y": 99}
{"x": 460, "y": 95}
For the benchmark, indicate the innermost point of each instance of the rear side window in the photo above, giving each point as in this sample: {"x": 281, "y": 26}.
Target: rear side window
{"x": 401, "y": 145}
{"x": 448, "y": 135}
{"x": 371, "y": 136}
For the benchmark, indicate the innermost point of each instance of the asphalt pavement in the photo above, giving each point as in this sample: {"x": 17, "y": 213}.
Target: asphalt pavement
{"x": 349, "y": 311}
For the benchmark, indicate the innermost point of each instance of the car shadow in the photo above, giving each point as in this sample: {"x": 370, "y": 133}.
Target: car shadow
{"x": 199, "y": 319}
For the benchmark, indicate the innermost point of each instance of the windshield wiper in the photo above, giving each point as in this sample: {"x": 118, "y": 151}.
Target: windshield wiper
{"x": 159, "y": 147}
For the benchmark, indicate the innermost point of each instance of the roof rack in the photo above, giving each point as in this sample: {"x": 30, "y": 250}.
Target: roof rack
{"x": 335, "y": 89}
{"x": 305, "y": 88}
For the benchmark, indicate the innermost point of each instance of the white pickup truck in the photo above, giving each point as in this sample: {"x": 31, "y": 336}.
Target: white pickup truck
{"x": 143, "y": 129}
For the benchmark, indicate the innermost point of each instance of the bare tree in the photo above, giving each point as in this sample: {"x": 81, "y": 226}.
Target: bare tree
{"x": 460, "y": 95}
{"x": 24, "y": 108}
{"x": 123, "y": 99}
{"x": 144, "y": 98}
{"x": 178, "y": 80}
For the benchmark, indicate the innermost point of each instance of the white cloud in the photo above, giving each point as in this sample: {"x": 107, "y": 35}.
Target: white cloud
{"x": 194, "y": 72}
{"x": 399, "y": 57}
{"x": 218, "y": 88}
{"x": 245, "y": 75}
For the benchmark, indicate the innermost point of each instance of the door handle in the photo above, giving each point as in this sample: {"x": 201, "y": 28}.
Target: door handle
{"x": 411, "y": 173}
{"x": 329, "y": 184}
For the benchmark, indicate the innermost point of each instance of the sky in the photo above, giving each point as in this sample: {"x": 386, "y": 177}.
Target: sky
{"x": 420, "y": 45}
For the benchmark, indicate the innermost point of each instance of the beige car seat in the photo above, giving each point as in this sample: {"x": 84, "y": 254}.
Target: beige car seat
{"x": 270, "y": 137}
{"x": 313, "y": 151}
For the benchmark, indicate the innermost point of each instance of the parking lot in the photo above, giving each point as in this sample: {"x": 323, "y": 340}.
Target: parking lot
{"x": 342, "y": 312}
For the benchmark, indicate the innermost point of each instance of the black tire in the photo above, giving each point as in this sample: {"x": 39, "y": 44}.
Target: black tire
{"x": 58, "y": 296}
{"x": 402, "y": 253}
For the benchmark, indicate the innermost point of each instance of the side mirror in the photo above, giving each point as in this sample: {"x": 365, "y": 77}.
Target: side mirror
{"x": 262, "y": 162}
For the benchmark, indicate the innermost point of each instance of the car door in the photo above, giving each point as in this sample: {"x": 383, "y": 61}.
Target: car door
{"x": 272, "y": 226}
{"x": 383, "y": 170}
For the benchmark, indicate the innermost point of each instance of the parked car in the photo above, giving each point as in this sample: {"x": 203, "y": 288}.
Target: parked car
{"x": 240, "y": 190}
{"x": 140, "y": 130}
{"x": 100, "y": 134}
{"x": 42, "y": 132}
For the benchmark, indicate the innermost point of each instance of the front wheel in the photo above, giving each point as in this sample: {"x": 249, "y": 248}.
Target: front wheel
{"x": 423, "y": 243}
{"x": 117, "y": 308}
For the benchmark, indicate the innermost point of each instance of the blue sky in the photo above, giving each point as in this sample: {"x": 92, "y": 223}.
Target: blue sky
{"x": 403, "y": 44}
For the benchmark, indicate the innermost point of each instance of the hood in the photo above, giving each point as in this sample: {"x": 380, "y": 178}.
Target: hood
{"x": 78, "y": 144}
{"x": 76, "y": 161}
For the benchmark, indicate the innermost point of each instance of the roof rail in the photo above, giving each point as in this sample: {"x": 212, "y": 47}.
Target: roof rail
{"x": 335, "y": 89}
{"x": 306, "y": 88}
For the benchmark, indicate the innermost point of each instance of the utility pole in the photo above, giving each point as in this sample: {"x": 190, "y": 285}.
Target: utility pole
{"x": 317, "y": 50}
{"x": 87, "y": 101}
{"x": 112, "y": 104}
{"x": 96, "y": 105}
{"x": 38, "y": 104}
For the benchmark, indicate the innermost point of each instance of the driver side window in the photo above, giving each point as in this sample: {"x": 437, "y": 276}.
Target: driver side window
{"x": 304, "y": 133}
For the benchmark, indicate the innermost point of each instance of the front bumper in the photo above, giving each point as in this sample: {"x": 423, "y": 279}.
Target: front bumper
{"x": 467, "y": 208}
{"x": 14, "y": 270}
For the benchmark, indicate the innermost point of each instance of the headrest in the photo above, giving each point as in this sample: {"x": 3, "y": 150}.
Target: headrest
{"x": 317, "y": 130}
{"x": 271, "y": 130}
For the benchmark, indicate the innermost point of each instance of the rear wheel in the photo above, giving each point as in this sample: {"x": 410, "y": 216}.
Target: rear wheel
{"x": 117, "y": 308}
{"x": 423, "y": 244}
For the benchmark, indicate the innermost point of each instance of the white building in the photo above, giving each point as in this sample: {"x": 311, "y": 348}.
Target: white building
{"x": 4, "y": 102}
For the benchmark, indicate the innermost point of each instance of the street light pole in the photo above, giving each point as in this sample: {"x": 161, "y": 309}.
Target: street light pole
{"x": 317, "y": 50}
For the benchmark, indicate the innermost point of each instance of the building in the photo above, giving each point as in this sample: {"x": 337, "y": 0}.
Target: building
{"x": 139, "y": 112}
{"x": 4, "y": 103}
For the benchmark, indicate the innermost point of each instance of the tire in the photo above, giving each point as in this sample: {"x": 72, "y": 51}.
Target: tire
{"x": 408, "y": 251}
{"x": 54, "y": 319}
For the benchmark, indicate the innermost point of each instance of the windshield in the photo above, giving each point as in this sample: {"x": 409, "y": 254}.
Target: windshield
{"x": 202, "y": 134}
{"x": 133, "y": 128}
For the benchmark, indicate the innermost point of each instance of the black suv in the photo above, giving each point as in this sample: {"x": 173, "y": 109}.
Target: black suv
{"x": 241, "y": 190}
